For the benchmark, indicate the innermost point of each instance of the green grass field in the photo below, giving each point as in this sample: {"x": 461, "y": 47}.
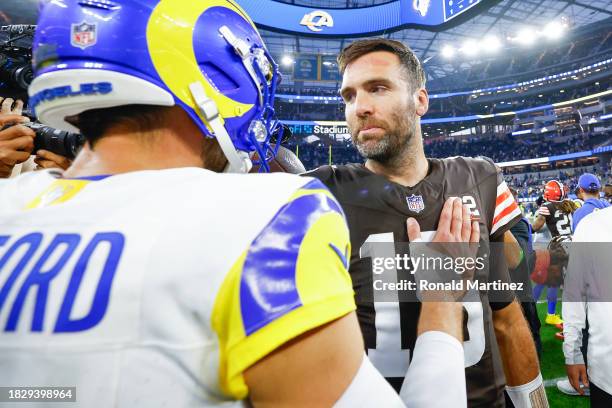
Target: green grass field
{"x": 553, "y": 364}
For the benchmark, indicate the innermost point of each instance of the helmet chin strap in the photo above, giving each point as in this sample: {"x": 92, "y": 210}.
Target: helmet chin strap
{"x": 238, "y": 161}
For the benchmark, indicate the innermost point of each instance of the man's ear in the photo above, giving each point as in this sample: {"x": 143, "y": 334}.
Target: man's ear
{"x": 421, "y": 101}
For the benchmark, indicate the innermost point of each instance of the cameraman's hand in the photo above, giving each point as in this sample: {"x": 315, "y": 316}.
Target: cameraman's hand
{"x": 10, "y": 106}
{"x": 48, "y": 160}
{"x": 16, "y": 143}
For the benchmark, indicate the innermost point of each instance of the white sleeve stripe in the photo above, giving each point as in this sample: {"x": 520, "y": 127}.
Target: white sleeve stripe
{"x": 505, "y": 220}
{"x": 501, "y": 188}
{"x": 503, "y": 205}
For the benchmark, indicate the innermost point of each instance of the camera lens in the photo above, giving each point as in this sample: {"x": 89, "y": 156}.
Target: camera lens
{"x": 57, "y": 141}
{"x": 16, "y": 73}
{"x": 23, "y": 76}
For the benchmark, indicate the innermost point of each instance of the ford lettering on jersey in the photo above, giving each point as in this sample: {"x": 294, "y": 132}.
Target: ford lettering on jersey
{"x": 28, "y": 267}
{"x": 46, "y": 95}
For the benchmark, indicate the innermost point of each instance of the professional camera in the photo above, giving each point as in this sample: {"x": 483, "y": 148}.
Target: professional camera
{"x": 56, "y": 141}
{"x": 16, "y": 56}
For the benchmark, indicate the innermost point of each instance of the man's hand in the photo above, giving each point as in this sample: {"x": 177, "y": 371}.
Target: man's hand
{"x": 455, "y": 227}
{"x": 577, "y": 374}
{"x": 457, "y": 236}
{"x": 48, "y": 160}
{"x": 16, "y": 142}
{"x": 455, "y": 224}
{"x": 8, "y": 106}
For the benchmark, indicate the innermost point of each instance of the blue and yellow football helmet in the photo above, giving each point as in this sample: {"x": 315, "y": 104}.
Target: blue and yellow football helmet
{"x": 205, "y": 56}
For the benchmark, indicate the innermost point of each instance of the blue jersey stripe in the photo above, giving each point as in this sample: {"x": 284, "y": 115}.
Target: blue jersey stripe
{"x": 268, "y": 288}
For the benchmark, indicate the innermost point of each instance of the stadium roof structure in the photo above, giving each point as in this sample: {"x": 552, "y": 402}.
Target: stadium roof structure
{"x": 494, "y": 18}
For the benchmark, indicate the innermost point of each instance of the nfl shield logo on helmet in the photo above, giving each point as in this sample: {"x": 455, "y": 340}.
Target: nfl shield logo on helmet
{"x": 84, "y": 35}
{"x": 415, "y": 203}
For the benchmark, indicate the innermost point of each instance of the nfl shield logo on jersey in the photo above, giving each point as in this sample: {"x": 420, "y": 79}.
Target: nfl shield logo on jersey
{"x": 415, "y": 203}
{"x": 84, "y": 35}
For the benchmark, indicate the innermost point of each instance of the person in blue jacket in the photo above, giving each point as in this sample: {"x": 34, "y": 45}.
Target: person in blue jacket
{"x": 590, "y": 187}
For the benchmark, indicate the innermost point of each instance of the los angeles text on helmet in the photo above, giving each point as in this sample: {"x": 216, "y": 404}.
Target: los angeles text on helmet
{"x": 50, "y": 94}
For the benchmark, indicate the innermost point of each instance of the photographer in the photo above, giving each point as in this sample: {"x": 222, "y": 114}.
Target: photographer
{"x": 17, "y": 143}
{"x": 23, "y": 147}
{"x": 10, "y": 106}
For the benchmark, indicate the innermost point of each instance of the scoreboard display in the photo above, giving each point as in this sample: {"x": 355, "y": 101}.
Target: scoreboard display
{"x": 452, "y": 8}
{"x": 357, "y": 21}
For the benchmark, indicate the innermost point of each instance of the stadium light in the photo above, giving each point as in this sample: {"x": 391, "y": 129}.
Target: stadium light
{"x": 287, "y": 61}
{"x": 526, "y": 36}
{"x": 553, "y": 30}
{"x": 491, "y": 44}
{"x": 470, "y": 48}
{"x": 448, "y": 51}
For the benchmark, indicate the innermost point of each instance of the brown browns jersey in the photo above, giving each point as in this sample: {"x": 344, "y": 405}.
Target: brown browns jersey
{"x": 376, "y": 211}
{"x": 557, "y": 221}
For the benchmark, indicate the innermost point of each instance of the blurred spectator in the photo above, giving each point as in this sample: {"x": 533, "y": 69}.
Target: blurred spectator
{"x": 589, "y": 187}
{"x": 608, "y": 193}
{"x": 587, "y": 295}
{"x": 499, "y": 149}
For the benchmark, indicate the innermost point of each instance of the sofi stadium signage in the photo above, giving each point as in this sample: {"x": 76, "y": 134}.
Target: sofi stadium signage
{"x": 277, "y": 16}
{"x": 322, "y": 128}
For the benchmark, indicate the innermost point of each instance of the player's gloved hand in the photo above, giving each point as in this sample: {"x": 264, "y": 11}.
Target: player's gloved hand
{"x": 16, "y": 142}
{"x": 49, "y": 160}
{"x": 445, "y": 265}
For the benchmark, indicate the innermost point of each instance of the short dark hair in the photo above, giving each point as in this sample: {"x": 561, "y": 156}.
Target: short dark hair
{"x": 94, "y": 123}
{"x": 142, "y": 119}
{"x": 591, "y": 190}
{"x": 408, "y": 60}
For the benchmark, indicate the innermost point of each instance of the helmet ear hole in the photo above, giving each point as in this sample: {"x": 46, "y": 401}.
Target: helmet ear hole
{"x": 220, "y": 79}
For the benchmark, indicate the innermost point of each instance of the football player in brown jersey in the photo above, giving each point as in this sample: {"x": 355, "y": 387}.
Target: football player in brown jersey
{"x": 383, "y": 88}
{"x": 556, "y": 213}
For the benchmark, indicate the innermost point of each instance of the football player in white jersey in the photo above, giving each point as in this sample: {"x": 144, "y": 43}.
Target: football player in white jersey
{"x": 144, "y": 277}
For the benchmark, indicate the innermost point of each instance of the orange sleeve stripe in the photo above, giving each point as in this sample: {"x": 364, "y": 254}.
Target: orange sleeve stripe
{"x": 512, "y": 207}
{"x": 502, "y": 197}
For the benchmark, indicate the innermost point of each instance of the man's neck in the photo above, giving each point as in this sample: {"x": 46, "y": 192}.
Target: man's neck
{"x": 407, "y": 169}
{"x": 124, "y": 153}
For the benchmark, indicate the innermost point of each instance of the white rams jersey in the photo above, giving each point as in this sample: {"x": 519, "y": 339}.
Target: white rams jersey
{"x": 159, "y": 288}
